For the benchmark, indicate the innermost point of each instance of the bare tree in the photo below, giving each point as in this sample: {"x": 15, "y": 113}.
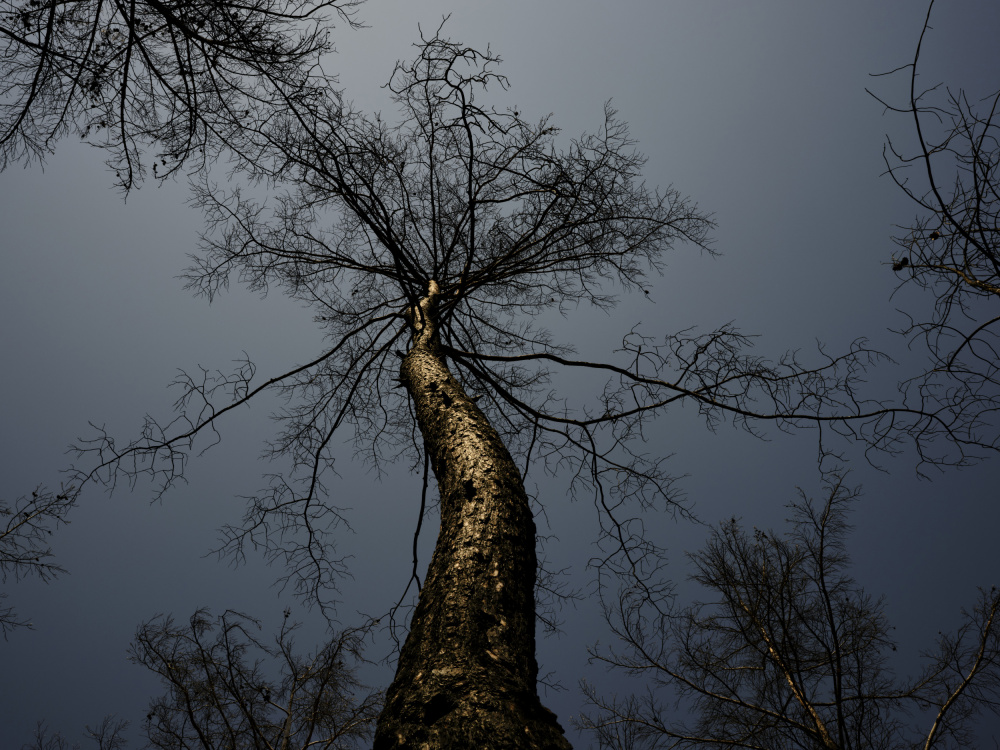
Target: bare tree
{"x": 789, "y": 651}
{"x": 428, "y": 249}
{"x": 25, "y": 528}
{"x": 175, "y": 75}
{"x": 109, "y": 735}
{"x": 226, "y": 688}
{"x": 43, "y": 740}
{"x": 952, "y": 250}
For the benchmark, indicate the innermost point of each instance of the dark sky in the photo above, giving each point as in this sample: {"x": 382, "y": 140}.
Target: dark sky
{"x": 757, "y": 110}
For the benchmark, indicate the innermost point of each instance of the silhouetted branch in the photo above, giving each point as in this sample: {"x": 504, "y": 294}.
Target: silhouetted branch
{"x": 25, "y": 551}
{"x": 951, "y": 249}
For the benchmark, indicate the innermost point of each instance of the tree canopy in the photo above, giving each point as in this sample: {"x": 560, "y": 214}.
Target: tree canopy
{"x": 787, "y": 649}
{"x": 227, "y": 687}
{"x": 177, "y": 77}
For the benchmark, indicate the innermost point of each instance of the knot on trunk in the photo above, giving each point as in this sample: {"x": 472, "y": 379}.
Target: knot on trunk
{"x": 422, "y": 317}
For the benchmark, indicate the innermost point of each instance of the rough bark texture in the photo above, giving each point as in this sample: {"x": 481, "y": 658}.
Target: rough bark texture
{"x": 467, "y": 673}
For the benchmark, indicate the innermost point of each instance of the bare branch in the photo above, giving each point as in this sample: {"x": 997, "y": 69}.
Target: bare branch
{"x": 175, "y": 78}
{"x": 25, "y": 551}
{"x": 951, "y": 249}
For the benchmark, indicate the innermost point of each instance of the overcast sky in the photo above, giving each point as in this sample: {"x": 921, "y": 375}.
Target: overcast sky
{"x": 756, "y": 109}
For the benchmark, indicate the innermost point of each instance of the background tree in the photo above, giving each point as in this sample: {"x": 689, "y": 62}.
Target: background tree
{"x": 952, "y": 250}
{"x": 789, "y": 651}
{"x": 109, "y": 735}
{"x": 228, "y": 688}
{"x": 175, "y": 75}
{"x": 429, "y": 249}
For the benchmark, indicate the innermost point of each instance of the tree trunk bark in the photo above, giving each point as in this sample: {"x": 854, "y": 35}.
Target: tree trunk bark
{"x": 466, "y": 676}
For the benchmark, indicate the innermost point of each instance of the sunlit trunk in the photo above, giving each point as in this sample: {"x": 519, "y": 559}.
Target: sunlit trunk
{"x": 467, "y": 673}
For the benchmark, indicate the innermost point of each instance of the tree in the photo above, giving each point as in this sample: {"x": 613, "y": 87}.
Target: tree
{"x": 951, "y": 250}
{"x": 109, "y": 735}
{"x": 177, "y": 75}
{"x": 227, "y": 688}
{"x": 25, "y": 528}
{"x": 428, "y": 249}
{"x": 789, "y": 651}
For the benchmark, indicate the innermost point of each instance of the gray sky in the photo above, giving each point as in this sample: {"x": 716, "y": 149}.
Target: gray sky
{"x": 757, "y": 110}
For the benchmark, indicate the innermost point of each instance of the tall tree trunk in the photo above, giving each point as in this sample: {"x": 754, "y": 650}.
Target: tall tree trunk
{"x": 467, "y": 673}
